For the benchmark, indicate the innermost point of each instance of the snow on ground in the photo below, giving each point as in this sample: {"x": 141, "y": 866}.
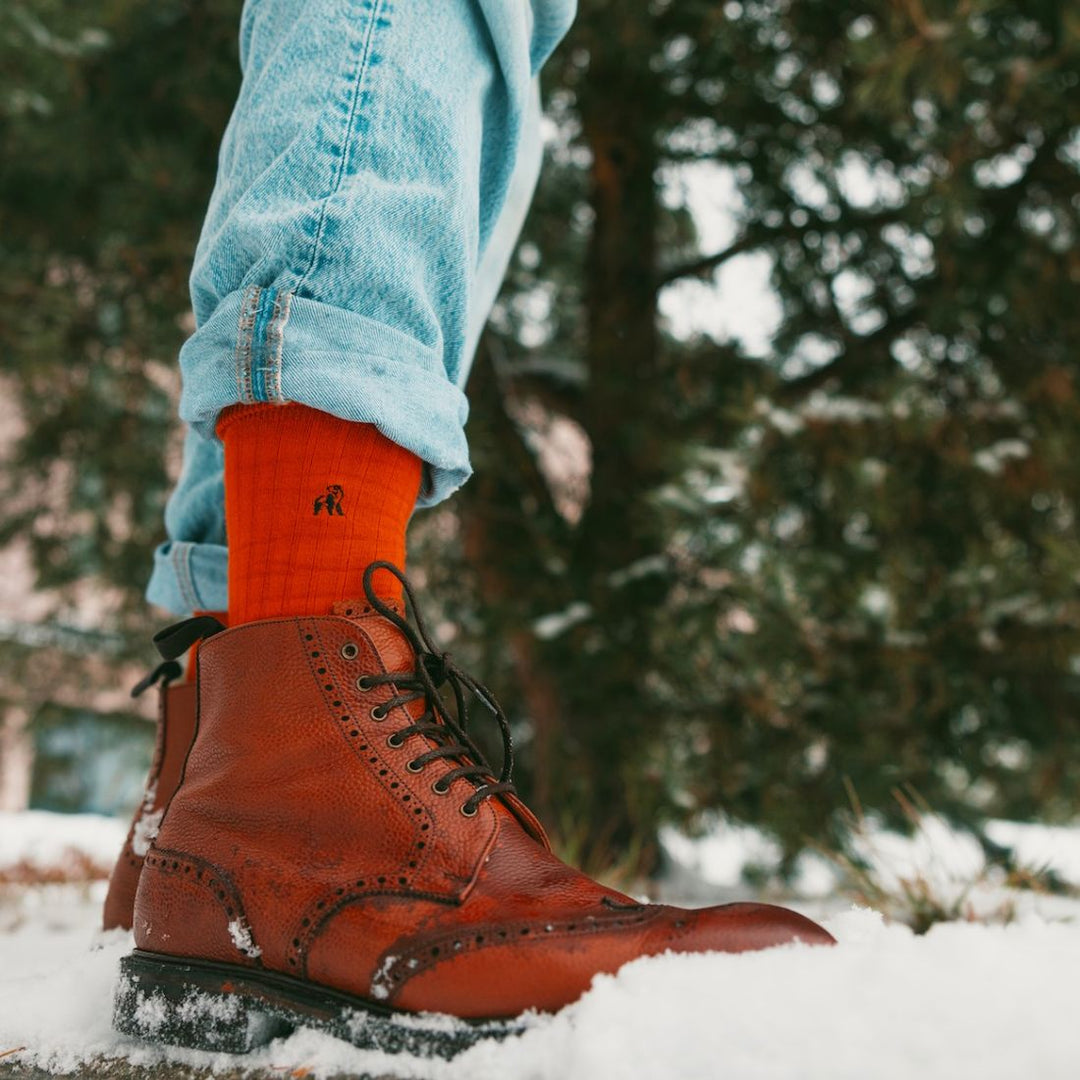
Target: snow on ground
{"x": 964, "y": 1000}
{"x": 936, "y": 862}
{"x": 36, "y": 840}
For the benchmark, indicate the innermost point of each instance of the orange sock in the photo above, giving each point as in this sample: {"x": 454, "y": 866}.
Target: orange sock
{"x": 310, "y": 501}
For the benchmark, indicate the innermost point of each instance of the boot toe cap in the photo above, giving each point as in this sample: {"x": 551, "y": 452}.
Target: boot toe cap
{"x": 743, "y": 927}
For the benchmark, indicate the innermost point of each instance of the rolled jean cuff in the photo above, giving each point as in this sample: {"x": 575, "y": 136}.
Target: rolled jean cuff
{"x": 190, "y": 577}
{"x": 290, "y": 348}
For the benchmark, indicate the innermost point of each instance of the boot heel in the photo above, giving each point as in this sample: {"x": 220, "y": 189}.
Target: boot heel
{"x": 175, "y": 1003}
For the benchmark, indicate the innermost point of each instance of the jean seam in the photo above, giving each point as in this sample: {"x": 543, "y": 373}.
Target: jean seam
{"x": 275, "y": 345}
{"x": 249, "y": 308}
{"x": 363, "y": 64}
{"x": 181, "y": 560}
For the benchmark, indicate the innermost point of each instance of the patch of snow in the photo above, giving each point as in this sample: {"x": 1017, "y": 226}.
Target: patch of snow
{"x": 146, "y": 830}
{"x": 992, "y": 459}
{"x": 723, "y": 855}
{"x": 219, "y": 1008}
{"x": 840, "y": 409}
{"x": 784, "y": 420}
{"x": 380, "y": 988}
{"x": 240, "y": 933}
{"x": 1053, "y": 847}
{"x": 44, "y": 840}
{"x": 151, "y": 1013}
{"x": 946, "y": 859}
{"x": 551, "y": 626}
{"x": 649, "y": 564}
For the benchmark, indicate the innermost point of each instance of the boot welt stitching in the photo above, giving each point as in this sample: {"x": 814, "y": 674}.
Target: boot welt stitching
{"x": 423, "y": 956}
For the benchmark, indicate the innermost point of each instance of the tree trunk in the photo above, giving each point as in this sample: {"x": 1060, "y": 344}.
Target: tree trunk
{"x": 622, "y": 417}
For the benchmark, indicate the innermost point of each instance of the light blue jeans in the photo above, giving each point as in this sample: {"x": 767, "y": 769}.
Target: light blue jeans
{"x": 372, "y": 183}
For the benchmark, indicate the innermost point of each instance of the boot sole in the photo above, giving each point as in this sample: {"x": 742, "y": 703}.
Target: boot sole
{"x": 205, "y": 1005}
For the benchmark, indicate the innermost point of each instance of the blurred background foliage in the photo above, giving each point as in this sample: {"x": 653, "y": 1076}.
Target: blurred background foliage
{"x": 757, "y": 579}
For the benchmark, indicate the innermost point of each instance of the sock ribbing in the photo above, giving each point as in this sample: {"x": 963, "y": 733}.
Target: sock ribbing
{"x": 310, "y": 501}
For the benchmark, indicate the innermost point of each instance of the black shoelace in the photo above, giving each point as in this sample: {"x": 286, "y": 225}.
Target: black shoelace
{"x": 165, "y": 673}
{"x": 448, "y": 730}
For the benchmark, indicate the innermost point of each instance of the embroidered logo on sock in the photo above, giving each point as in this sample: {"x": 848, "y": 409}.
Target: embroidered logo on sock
{"x": 332, "y": 501}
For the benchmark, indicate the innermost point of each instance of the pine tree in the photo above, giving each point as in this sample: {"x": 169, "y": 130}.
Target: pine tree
{"x": 848, "y": 564}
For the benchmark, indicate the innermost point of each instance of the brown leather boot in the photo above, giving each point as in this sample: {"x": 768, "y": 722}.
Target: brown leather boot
{"x": 175, "y": 730}
{"x": 339, "y": 856}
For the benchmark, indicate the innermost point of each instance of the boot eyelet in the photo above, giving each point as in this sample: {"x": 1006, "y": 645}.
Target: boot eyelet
{"x": 440, "y": 790}
{"x": 413, "y": 767}
{"x": 350, "y": 650}
{"x": 394, "y": 742}
{"x": 377, "y": 713}
{"x": 363, "y": 683}
{"x": 466, "y": 812}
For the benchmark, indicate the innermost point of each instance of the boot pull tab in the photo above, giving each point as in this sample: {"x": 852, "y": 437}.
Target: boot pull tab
{"x": 166, "y": 671}
{"x": 175, "y": 640}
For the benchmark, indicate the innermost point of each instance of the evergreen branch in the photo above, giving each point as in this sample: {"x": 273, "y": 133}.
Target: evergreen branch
{"x": 761, "y": 237}
{"x": 850, "y": 359}
{"x": 698, "y": 267}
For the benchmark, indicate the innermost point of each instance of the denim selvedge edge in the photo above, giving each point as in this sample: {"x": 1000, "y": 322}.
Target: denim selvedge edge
{"x": 364, "y": 298}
